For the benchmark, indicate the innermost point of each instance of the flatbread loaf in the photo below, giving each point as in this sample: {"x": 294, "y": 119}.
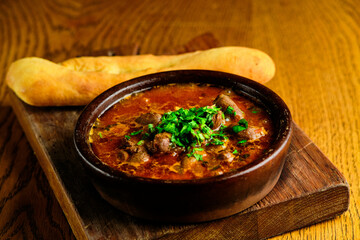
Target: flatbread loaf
{"x": 77, "y": 81}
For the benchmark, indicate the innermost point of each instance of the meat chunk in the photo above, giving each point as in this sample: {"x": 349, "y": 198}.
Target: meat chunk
{"x": 132, "y": 152}
{"x": 252, "y": 133}
{"x": 225, "y": 156}
{"x": 129, "y": 145}
{"x": 191, "y": 164}
{"x": 149, "y": 118}
{"x": 217, "y": 120}
{"x": 224, "y": 102}
{"x": 160, "y": 144}
{"x": 139, "y": 157}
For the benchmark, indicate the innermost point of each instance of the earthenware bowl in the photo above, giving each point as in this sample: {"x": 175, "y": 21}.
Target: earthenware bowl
{"x": 187, "y": 201}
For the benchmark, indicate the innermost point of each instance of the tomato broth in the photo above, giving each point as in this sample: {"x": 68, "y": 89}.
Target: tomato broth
{"x": 181, "y": 131}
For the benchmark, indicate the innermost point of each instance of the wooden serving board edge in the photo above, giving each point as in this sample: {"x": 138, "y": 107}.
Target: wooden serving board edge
{"x": 55, "y": 182}
{"x": 263, "y": 230}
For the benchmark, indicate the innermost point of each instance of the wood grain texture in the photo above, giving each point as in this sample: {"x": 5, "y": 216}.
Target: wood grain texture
{"x": 315, "y": 45}
{"x": 28, "y": 208}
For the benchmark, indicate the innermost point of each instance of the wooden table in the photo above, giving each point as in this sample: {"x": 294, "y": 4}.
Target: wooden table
{"x": 315, "y": 46}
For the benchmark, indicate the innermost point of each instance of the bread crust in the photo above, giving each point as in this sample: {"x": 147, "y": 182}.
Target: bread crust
{"x": 77, "y": 81}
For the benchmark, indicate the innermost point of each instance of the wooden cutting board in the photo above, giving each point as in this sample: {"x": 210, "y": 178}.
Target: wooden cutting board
{"x": 310, "y": 188}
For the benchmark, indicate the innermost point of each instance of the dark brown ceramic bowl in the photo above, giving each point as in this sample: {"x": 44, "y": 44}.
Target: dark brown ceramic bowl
{"x": 187, "y": 201}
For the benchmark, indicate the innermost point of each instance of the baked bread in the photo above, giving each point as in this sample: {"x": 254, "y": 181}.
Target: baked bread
{"x": 77, "y": 81}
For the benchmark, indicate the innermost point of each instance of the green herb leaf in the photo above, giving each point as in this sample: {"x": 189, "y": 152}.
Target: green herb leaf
{"x": 243, "y": 123}
{"x": 136, "y": 133}
{"x": 151, "y": 128}
{"x": 238, "y": 128}
{"x": 217, "y": 142}
{"x": 229, "y": 110}
{"x": 254, "y": 109}
{"x": 199, "y": 149}
{"x": 198, "y": 157}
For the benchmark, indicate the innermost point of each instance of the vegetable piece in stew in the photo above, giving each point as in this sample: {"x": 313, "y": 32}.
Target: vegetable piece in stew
{"x": 181, "y": 131}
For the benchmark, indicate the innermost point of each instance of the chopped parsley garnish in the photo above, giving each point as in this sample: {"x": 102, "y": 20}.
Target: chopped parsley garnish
{"x": 254, "y": 109}
{"x": 243, "y": 122}
{"x": 141, "y": 142}
{"x": 235, "y": 151}
{"x": 230, "y": 110}
{"x": 151, "y": 128}
{"x": 196, "y": 155}
{"x": 189, "y": 127}
{"x": 127, "y": 137}
{"x": 100, "y": 135}
{"x": 243, "y": 125}
{"x": 216, "y": 142}
{"x": 135, "y": 133}
{"x": 238, "y": 128}
{"x": 242, "y": 142}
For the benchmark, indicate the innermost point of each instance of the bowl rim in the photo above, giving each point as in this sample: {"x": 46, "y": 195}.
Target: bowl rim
{"x": 99, "y": 105}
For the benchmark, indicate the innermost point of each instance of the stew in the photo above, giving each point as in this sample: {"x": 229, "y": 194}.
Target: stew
{"x": 181, "y": 131}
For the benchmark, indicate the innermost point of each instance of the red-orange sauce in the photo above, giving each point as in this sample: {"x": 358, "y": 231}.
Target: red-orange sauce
{"x": 109, "y": 131}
